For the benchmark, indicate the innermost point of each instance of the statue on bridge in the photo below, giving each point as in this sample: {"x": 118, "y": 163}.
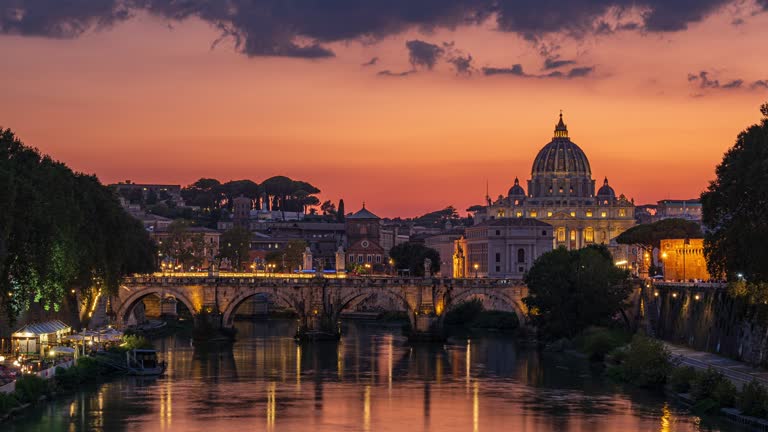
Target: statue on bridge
{"x": 427, "y": 268}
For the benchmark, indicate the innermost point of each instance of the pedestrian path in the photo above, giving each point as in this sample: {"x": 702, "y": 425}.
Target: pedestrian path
{"x": 739, "y": 373}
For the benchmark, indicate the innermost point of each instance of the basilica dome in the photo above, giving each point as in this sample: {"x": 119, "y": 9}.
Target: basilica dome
{"x": 561, "y": 156}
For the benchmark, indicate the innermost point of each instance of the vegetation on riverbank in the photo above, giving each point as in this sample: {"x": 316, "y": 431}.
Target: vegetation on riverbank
{"x": 472, "y": 315}
{"x": 647, "y": 363}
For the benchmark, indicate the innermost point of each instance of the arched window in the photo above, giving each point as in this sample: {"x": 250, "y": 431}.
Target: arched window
{"x": 589, "y": 235}
{"x": 561, "y": 234}
{"x": 521, "y": 255}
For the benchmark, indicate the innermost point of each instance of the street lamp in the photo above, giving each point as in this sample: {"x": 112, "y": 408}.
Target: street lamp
{"x": 476, "y": 266}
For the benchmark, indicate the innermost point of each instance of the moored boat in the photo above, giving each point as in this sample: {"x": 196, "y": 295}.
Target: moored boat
{"x": 144, "y": 362}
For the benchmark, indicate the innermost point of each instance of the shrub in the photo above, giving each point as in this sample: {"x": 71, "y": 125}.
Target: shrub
{"x": 704, "y": 384}
{"x": 497, "y": 320}
{"x": 725, "y": 393}
{"x": 29, "y": 388}
{"x": 7, "y": 403}
{"x": 647, "y": 363}
{"x": 465, "y": 313}
{"x": 136, "y": 342}
{"x": 681, "y": 378}
{"x": 753, "y": 399}
{"x": 597, "y": 342}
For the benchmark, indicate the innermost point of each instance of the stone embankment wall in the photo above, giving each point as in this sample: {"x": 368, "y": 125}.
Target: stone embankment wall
{"x": 708, "y": 318}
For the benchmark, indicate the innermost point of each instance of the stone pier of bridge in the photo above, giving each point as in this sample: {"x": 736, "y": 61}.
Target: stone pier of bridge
{"x": 319, "y": 301}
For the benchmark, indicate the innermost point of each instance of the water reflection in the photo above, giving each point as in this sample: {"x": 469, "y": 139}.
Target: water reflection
{"x": 372, "y": 381}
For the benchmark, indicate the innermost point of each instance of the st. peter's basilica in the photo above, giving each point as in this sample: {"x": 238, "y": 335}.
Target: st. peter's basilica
{"x": 561, "y": 192}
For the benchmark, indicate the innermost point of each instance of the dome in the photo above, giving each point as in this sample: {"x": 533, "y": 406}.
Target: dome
{"x": 561, "y": 156}
{"x": 517, "y": 190}
{"x": 606, "y": 191}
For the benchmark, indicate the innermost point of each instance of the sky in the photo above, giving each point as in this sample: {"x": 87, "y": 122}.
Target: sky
{"x": 407, "y": 106}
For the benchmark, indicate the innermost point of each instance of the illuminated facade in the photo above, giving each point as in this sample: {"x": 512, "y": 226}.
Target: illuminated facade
{"x": 683, "y": 259}
{"x": 561, "y": 192}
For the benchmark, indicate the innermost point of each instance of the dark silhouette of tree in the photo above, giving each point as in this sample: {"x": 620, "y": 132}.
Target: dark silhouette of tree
{"x": 572, "y": 290}
{"x": 328, "y": 208}
{"x": 234, "y": 246}
{"x": 735, "y": 208}
{"x": 340, "y": 214}
{"x": 182, "y": 245}
{"x": 411, "y": 256}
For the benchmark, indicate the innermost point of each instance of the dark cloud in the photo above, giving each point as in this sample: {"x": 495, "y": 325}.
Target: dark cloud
{"x": 423, "y": 54}
{"x": 371, "y": 62}
{"x": 705, "y": 82}
{"x": 305, "y": 28}
{"x": 462, "y": 65}
{"x": 579, "y": 72}
{"x": 389, "y": 73}
{"x": 555, "y": 62}
{"x": 733, "y": 84}
{"x": 759, "y": 84}
{"x": 517, "y": 70}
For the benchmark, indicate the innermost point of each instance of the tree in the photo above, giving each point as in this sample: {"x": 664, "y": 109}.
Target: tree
{"x": 340, "y": 215}
{"x": 572, "y": 290}
{"x": 294, "y": 254}
{"x": 328, "y": 208}
{"x": 59, "y": 231}
{"x": 734, "y": 208}
{"x": 411, "y": 256}
{"x": 183, "y": 246}
{"x": 235, "y": 246}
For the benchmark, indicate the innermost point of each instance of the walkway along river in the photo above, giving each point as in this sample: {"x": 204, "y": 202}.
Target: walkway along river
{"x": 372, "y": 381}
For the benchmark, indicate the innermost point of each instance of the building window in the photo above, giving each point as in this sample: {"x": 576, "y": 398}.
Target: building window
{"x": 573, "y": 214}
{"x": 369, "y": 258}
{"x": 498, "y": 232}
{"x": 352, "y": 259}
{"x": 549, "y": 214}
{"x": 561, "y": 234}
{"x": 534, "y": 213}
{"x": 517, "y": 202}
{"x": 360, "y": 259}
{"x": 622, "y": 212}
{"x": 378, "y": 259}
{"x": 589, "y": 213}
{"x": 498, "y": 269}
{"x": 519, "y": 214}
{"x": 589, "y": 235}
{"x": 603, "y": 214}
{"x": 498, "y": 257}
{"x": 521, "y": 269}
{"x": 544, "y": 232}
{"x": 573, "y": 235}
{"x": 521, "y": 255}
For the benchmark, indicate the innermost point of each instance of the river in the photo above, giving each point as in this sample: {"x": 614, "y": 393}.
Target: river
{"x": 372, "y": 381}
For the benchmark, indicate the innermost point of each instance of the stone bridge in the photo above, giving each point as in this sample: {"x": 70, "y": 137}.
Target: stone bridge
{"x": 320, "y": 301}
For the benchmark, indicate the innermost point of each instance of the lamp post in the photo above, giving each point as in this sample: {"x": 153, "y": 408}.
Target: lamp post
{"x": 686, "y": 243}
{"x": 476, "y": 266}
{"x": 664, "y": 264}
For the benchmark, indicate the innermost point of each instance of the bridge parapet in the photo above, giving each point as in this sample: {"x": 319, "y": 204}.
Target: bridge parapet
{"x": 322, "y": 299}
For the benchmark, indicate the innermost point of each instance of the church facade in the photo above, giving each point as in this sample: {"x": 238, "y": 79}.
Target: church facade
{"x": 561, "y": 192}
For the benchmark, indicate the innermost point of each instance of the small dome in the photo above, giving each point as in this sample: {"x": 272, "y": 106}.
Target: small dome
{"x": 606, "y": 191}
{"x": 517, "y": 190}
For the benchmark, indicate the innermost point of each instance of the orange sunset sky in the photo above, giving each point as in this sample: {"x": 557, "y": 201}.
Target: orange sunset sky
{"x": 147, "y": 97}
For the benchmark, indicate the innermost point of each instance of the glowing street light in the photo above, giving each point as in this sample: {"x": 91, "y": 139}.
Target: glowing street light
{"x": 476, "y": 266}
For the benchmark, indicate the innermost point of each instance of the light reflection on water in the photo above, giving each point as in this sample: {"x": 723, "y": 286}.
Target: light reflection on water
{"x": 372, "y": 381}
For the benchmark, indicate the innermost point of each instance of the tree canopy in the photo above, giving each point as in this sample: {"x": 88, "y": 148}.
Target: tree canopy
{"x": 235, "y": 246}
{"x": 60, "y": 230}
{"x": 572, "y": 290}
{"x": 649, "y": 236}
{"x": 735, "y": 208}
{"x": 411, "y": 256}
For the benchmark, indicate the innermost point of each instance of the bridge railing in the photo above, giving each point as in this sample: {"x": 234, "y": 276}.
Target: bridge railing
{"x": 305, "y": 279}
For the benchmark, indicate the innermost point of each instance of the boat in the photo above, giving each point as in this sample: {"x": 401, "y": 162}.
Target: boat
{"x": 143, "y": 362}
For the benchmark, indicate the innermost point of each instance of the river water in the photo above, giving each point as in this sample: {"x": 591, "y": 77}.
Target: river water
{"x": 372, "y": 381}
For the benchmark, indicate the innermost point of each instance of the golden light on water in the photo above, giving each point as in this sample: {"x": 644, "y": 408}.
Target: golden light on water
{"x": 271, "y": 406}
{"x": 367, "y": 409}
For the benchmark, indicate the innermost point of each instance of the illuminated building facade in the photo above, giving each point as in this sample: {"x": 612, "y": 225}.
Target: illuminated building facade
{"x": 683, "y": 259}
{"x": 561, "y": 192}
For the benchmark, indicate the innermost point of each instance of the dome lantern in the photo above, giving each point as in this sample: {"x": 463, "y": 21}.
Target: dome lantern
{"x": 561, "y": 130}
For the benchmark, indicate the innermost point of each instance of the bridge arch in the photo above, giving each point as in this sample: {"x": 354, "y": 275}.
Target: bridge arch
{"x": 228, "y": 316}
{"x": 497, "y": 295}
{"x": 352, "y": 300}
{"x": 130, "y": 302}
